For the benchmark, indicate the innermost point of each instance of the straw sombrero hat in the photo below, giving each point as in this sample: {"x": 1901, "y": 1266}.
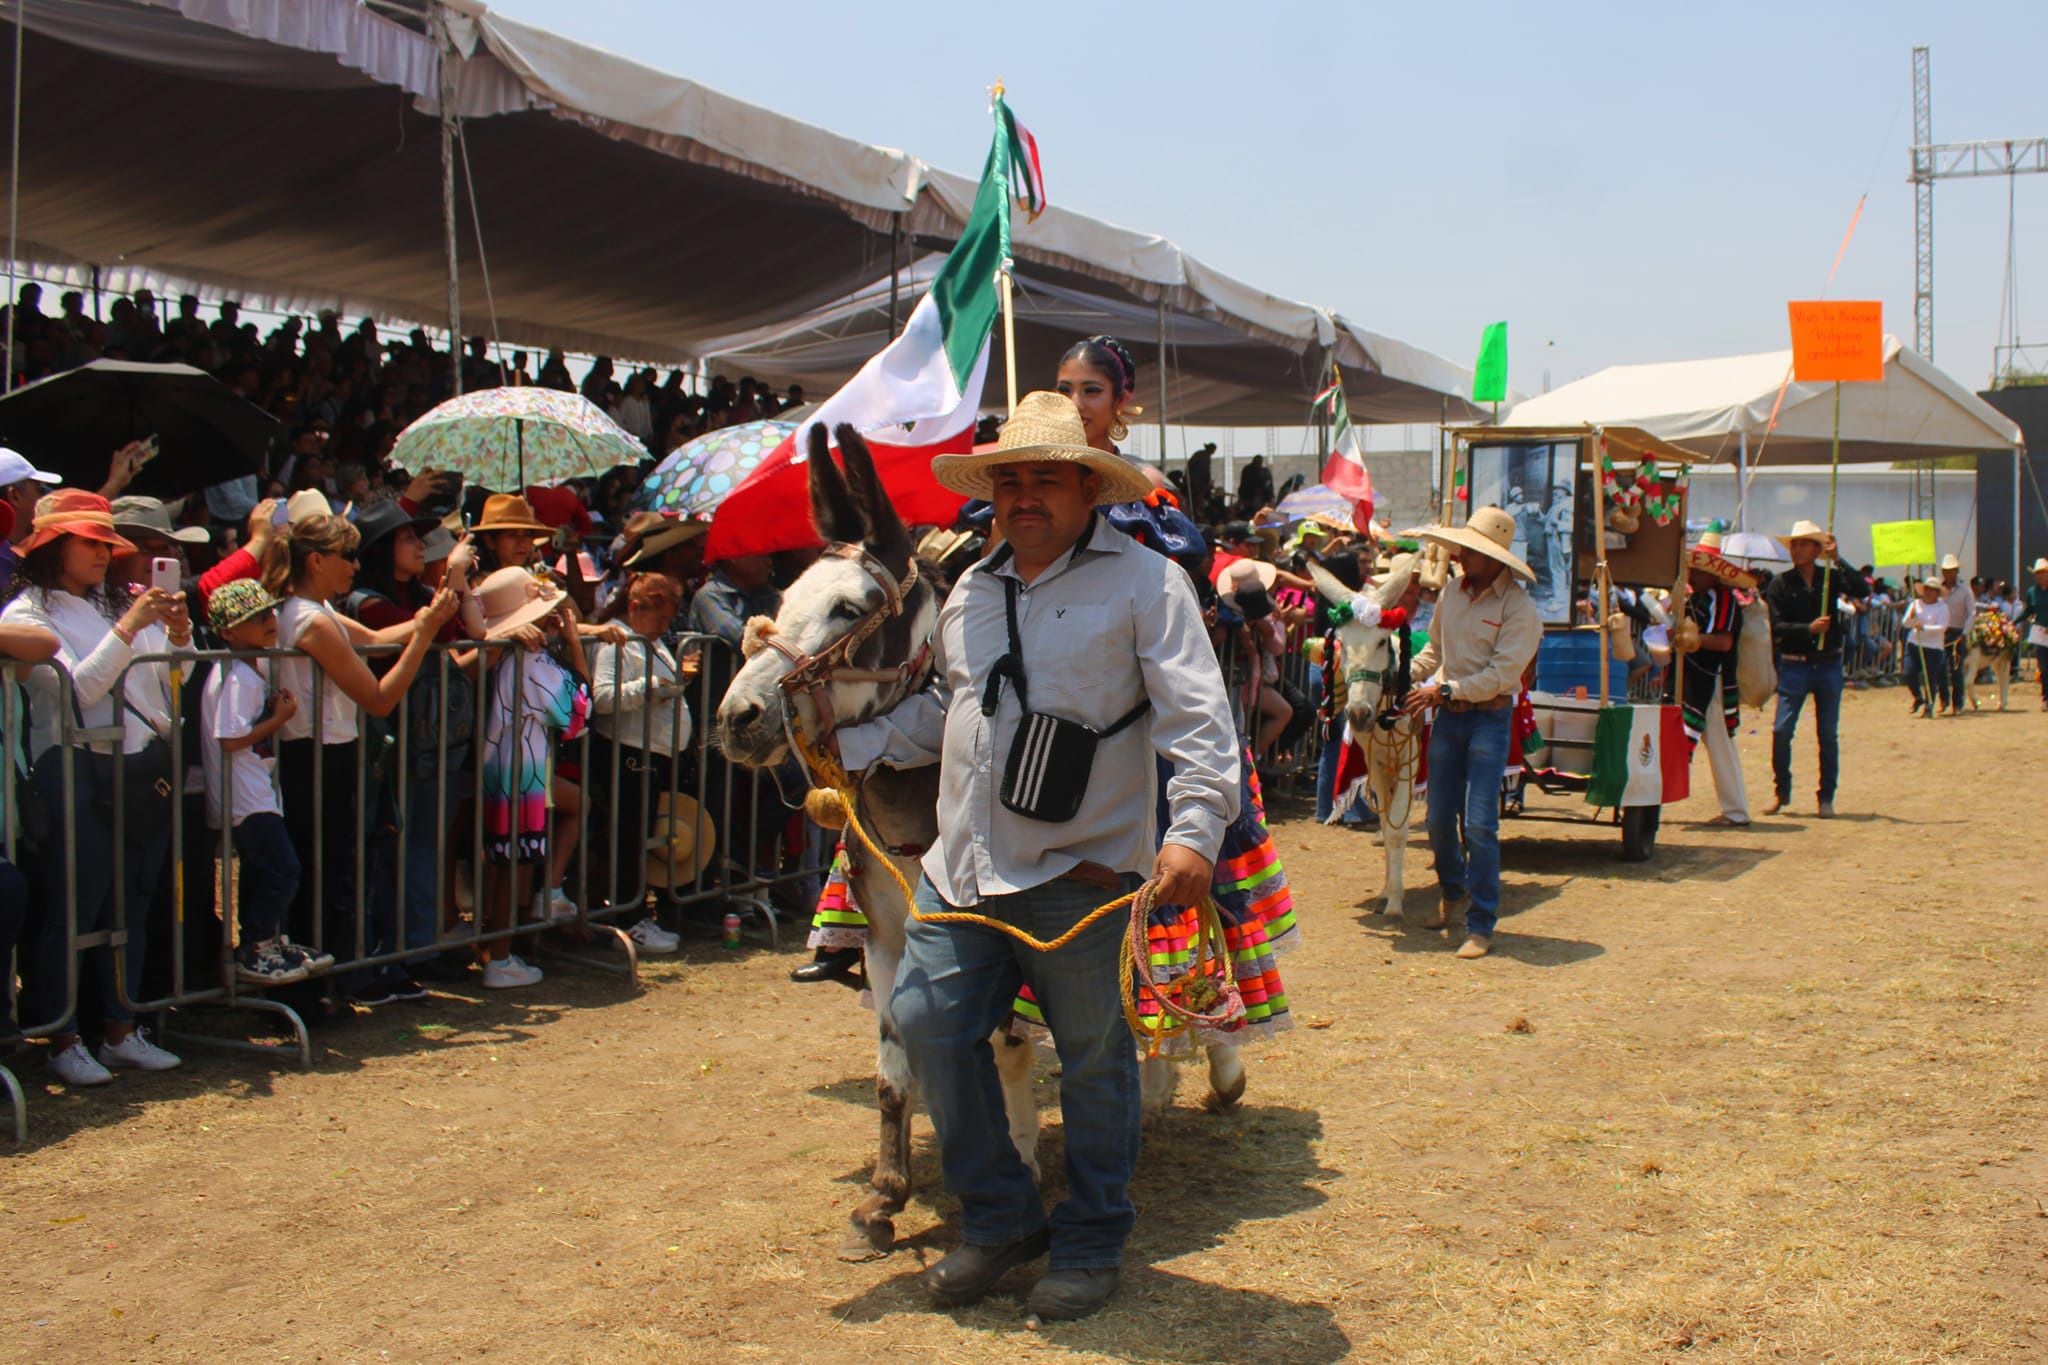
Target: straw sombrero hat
{"x": 1045, "y": 428}
{"x": 1490, "y": 531}
{"x": 659, "y": 541}
{"x": 684, "y": 840}
{"x": 1707, "y": 558}
{"x": 1804, "y": 530}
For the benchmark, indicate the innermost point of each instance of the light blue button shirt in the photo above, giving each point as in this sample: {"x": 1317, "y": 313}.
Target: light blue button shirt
{"x": 1107, "y": 624}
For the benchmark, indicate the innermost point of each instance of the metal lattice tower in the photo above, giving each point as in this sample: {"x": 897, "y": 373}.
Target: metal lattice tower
{"x": 1923, "y": 206}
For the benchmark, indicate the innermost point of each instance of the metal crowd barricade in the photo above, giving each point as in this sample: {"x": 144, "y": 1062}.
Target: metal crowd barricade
{"x": 1874, "y": 650}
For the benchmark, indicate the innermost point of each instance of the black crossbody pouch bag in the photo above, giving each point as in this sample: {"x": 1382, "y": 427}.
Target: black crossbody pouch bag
{"x": 1045, "y": 776}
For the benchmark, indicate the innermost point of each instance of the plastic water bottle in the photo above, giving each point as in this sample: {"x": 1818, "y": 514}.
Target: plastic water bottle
{"x": 731, "y": 936}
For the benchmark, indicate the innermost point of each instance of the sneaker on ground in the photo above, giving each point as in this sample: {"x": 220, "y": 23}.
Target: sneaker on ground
{"x": 269, "y": 963}
{"x": 504, "y": 973}
{"x": 316, "y": 961}
{"x": 75, "y": 1066}
{"x": 138, "y": 1052}
{"x": 651, "y": 938}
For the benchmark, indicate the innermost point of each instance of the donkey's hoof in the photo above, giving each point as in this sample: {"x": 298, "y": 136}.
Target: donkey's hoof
{"x": 868, "y": 1241}
{"x": 1225, "y": 1101}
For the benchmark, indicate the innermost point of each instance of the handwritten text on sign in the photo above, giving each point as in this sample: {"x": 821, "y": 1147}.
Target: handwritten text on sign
{"x": 1838, "y": 341}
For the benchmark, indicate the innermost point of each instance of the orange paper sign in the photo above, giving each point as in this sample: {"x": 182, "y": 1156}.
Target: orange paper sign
{"x": 1838, "y": 341}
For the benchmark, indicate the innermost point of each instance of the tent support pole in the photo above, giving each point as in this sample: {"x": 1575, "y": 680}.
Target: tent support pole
{"x": 14, "y": 202}
{"x": 2018, "y": 453}
{"x": 895, "y": 273}
{"x": 446, "y": 63}
{"x": 1162, "y": 383}
{"x": 1741, "y": 480}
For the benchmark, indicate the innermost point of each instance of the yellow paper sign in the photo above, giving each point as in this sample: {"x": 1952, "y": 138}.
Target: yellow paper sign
{"x": 1837, "y": 340}
{"x": 1894, "y": 544}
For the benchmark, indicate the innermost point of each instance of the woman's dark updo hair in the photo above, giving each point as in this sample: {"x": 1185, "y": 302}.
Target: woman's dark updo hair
{"x": 1109, "y": 356}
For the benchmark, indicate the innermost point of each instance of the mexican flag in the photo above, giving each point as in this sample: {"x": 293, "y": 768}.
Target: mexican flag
{"x": 918, "y": 397}
{"x": 1344, "y": 471}
{"x": 1639, "y": 757}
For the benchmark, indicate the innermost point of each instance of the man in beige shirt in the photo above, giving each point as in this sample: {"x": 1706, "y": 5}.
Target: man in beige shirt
{"x": 1485, "y": 631}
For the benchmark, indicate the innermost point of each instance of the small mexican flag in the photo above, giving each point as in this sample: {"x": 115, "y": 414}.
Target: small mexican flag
{"x": 1344, "y": 471}
{"x": 916, "y": 398}
{"x": 1639, "y": 757}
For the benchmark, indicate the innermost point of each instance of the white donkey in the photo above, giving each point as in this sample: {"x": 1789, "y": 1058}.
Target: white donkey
{"x": 852, "y": 640}
{"x": 1392, "y": 742}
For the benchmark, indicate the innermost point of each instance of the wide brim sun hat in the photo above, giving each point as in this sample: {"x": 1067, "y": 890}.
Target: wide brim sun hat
{"x": 684, "y": 839}
{"x": 1046, "y": 428}
{"x": 512, "y": 598}
{"x": 509, "y": 512}
{"x": 1490, "y": 531}
{"x": 74, "y": 512}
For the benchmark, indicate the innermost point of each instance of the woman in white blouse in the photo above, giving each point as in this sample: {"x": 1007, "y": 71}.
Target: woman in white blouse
{"x": 643, "y": 723}
{"x": 306, "y": 569}
{"x": 61, "y": 586}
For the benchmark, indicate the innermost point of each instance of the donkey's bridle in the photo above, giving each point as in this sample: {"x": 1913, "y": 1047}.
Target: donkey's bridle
{"x": 812, "y": 675}
{"x": 1389, "y": 679}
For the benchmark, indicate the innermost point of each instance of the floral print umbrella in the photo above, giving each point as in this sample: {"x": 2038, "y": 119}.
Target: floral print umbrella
{"x": 698, "y": 474}
{"x": 509, "y": 439}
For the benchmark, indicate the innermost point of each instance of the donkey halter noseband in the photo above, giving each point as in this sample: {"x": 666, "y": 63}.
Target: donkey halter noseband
{"x": 813, "y": 675}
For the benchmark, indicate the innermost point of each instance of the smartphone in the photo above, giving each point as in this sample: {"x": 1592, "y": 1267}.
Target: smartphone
{"x": 149, "y": 449}
{"x": 280, "y": 513}
{"x": 166, "y": 574}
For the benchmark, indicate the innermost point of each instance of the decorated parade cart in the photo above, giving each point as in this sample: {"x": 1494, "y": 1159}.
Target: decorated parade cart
{"x": 1598, "y": 511}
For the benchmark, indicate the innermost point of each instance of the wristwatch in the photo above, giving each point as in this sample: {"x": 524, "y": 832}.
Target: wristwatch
{"x": 1448, "y": 691}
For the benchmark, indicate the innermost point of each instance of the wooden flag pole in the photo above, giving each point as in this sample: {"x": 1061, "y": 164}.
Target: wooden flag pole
{"x": 1009, "y": 339}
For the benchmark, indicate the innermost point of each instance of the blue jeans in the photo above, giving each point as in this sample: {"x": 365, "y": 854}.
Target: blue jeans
{"x": 420, "y": 916}
{"x": 1927, "y": 674}
{"x": 1797, "y": 680}
{"x": 954, "y": 990}
{"x": 269, "y": 870}
{"x": 1468, "y": 757}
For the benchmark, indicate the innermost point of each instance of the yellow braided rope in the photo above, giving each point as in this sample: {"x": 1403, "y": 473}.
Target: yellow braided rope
{"x": 1212, "y": 959}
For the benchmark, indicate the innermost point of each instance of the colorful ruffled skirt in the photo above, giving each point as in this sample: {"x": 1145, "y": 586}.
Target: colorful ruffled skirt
{"x": 1253, "y": 902}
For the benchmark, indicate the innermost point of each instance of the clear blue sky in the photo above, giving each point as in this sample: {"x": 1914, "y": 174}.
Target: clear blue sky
{"x": 1627, "y": 181}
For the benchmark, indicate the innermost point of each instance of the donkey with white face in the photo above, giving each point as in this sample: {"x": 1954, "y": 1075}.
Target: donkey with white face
{"x": 1392, "y": 742}
{"x": 852, "y": 640}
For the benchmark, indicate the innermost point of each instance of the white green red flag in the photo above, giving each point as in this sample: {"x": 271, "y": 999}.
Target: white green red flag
{"x": 918, "y": 397}
{"x": 1639, "y": 757}
{"x": 1344, "y": 471}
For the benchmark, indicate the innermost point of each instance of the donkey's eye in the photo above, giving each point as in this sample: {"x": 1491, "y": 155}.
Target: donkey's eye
{"x": 846, "y": 611}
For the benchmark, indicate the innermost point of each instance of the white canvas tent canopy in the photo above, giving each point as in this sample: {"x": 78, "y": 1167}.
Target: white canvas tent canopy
{"x": 289, "y": 151}
{"x": 1720, "y": 409}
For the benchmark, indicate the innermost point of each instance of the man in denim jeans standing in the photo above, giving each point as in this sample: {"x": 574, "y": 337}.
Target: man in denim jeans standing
{"x": 1109, "y": 635}
{"x": 1483, "y": 635}
{"x": 1806, "y": 628}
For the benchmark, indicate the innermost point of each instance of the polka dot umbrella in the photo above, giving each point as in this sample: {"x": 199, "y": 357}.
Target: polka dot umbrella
{"x": 696, "y": 475}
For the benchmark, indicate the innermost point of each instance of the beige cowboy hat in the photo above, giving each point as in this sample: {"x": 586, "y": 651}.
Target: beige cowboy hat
{"x": 1934, "y": 583}
{"x": 1950, "y": 564}
{"x": 1708, "y": 559}
{"x": 512, "y": 598}
{"x": 1804, "y": 530}
{"x": 657, "y": 543}
{"x": 2039, "y": 565}
{"x": 684, "y": 840}
{"x": 1488, "y": 530}
{"x": 1045, "y": 428}
{"x": 939, "y": 544}
{"x": 307, "y": 502}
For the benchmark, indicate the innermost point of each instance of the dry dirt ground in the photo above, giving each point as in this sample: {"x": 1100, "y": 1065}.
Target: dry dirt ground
{"x": 1778, "y": 1093}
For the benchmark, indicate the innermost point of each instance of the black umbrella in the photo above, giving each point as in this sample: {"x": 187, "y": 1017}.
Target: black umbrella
{"x": 72, "y": 423}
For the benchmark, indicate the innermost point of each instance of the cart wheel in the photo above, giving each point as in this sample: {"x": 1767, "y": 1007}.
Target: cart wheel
{"x": 1639, "y": 832}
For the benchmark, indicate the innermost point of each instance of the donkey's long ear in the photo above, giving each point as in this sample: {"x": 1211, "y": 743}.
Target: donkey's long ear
{"x": 1328, "y": 585}
{"x": 833, "y": 509}
{"x": 886, "y": 536}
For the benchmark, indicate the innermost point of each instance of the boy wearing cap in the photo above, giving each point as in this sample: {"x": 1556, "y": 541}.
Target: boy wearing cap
{"x": 239, "y": 715}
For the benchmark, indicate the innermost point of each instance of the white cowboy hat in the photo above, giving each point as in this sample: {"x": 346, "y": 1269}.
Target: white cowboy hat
{"x": 684, "y": 839}
{"x": 1045, "y": 428}
{"x": 1489, "y": 531}
{"x": 1950, "y": 562}
{"x": 1804, "y": 530}
{"x": 2039, "y": 565}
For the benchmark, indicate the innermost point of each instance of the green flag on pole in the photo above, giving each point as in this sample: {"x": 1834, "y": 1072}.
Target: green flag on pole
{"x": 1490, "y": 371}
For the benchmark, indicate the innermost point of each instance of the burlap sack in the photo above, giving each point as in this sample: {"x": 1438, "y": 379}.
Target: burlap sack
{"x": 1756, "y": 674}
